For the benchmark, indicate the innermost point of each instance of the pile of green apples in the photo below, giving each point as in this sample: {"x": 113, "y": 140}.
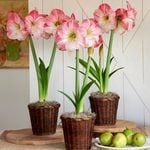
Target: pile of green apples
{"x": 120, "y": 140}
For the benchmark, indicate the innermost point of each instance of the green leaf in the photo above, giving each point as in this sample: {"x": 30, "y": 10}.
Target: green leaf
{"x": 85, "y": 89}
{"x": 115, "y": 71}
{"x": 68, "y": 97}
{"x": 81, "y": 73}
{"x": 94, "y": 81}
{"x": 112, "y": 58}
{"x": 43, "y": 75}
{"x": 76, "y": 97}
{"x": 95, "y": 65}
{"x": 104, "y": 71}
{"x": 92, "y": 71}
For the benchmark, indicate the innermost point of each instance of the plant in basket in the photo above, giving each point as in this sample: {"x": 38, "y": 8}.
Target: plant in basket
{"x": 103, "y": 102}
{"x": 43, "y": 113}
{"x": 78, "y": 125}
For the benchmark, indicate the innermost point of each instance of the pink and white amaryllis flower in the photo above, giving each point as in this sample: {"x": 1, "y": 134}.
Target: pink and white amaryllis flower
{"x": 54, "y": 20}
{"x": 125, "y": 18}
{"x": 121, "y": 15}
{"x": 35, "y": 23}
{"x": 130, "y": 20}
{"x": 105, "y": 17}
{"x": 91, "y": 33}
{"x": 68, "y": 36}
{"x": 16, "y": 27}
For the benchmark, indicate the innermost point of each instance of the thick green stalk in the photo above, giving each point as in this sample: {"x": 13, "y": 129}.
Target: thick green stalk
{"x": 108, "y": 61}
{"x": 77, "y": 86}
{"x": 51, "y": 62}
{"x": 36, "y": 68}
{"x": 100, "y": 69}
{"x": 87, "y": 72}
{"x": 90, "y": 53}
{"x": 50, "y": 66}
{"x": 80, "y": 106}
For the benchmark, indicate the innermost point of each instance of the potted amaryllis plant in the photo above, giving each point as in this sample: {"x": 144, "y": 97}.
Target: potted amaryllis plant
{"x": 78, "y": 125}
{"x": 103, "y": 102}
{"x": 43, "y": 113}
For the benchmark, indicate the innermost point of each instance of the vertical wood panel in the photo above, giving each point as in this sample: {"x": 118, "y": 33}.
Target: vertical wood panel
{"x": 131, "y": 34}
{"x": 134, "y": 109}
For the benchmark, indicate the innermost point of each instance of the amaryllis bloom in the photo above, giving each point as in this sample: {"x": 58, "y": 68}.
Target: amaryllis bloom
{"x": 105, "y": 17}
{"x": 68, "y": 36}
{"x": 54, "y": 20}
{"x": 121, "y": 15}
{"x": 35, "y": 23}
{"x": 16, "y": 27}
{"x": 91, "y": 33}
{"x": 131, "y": 13}
{"x": 125, "y": 18}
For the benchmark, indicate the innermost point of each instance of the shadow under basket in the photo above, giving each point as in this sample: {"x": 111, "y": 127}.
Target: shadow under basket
{"x": 78, "y": 129}
{"x": 105, "y": 106}
{"x": 43, "y": 116}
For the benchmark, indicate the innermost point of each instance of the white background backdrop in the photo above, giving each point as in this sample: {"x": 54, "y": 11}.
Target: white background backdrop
{"x": 130, "y": 50}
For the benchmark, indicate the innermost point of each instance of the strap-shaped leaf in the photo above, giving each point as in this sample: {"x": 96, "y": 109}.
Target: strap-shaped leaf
{"x": 112, "y": 58}
{"x": 95, "y": 65}
{"x": 85, "y": 89}
{"x": 104, "y": 70}
{"x": 115, "y": 71}
{"x": 94, "y": 81}
{"x": 76, "y": 97}
{"x": 43, "y": 73}
{"x": 68, "y": 97}
{"x": 92, "y": 70}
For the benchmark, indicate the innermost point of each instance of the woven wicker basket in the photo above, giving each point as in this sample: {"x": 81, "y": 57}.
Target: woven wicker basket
{"x": 105, "y": 106}
{"x": 43, "y": 117}
{"x": 78, "y": 132}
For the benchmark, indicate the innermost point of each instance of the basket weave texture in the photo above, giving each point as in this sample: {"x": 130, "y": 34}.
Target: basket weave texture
{"x": 78, "y": 133}
{"x": 43, "y": 117}
{"x": 105, "y": 109}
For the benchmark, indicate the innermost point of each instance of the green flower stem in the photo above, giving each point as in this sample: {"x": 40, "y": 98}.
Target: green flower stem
{"x": 80, "y": 106}
{"x": 43, "y": 90}
{"x": 36, "y": 68}
{"x": 108, "y": 61}
{"x": 87, "y": 72}
{"x": 51, "y": 62}
{"x": 100, "y": 69}
{"x": 49, "y": 69}
{"x": 90, "y": 53}
{"x": 77, "y": 86}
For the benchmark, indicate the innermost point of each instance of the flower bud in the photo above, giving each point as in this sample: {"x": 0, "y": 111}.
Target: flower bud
{"x": 90, "y": 51}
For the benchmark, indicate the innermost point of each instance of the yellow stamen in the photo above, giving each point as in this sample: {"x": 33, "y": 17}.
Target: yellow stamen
{"x": 89, "y": 32}
{"x": 57, "y": 23}
{"x": 72, "y": 36}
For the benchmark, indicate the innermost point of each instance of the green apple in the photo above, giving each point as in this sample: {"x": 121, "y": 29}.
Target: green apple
{"x": 139, "y": 139}
{"x": 119, "y": 140}
{"x": 128, "y": 133}
{"x": 106, "y": 138}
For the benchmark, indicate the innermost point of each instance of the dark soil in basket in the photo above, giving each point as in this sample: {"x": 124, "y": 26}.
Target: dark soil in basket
{"x": 80, "y": 116}
{"x": 45, "y": 104}
{"x": 108, "y": 95}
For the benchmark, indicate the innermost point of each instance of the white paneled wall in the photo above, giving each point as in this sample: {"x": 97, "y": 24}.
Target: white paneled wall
{"x": 131, "y": 50}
